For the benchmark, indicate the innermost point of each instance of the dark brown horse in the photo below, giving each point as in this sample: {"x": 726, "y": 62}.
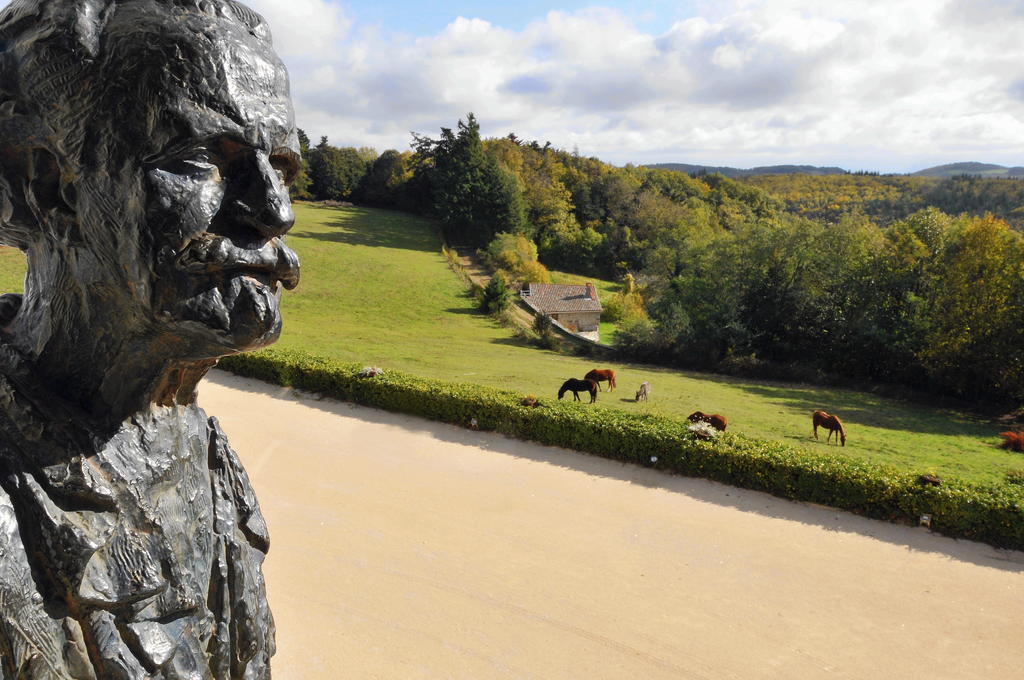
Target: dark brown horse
{"x": 599, "y": 375}
{"x": 716, "y": 421}
{"x": 576, "y": 386}
{"x": 830, "y": 423}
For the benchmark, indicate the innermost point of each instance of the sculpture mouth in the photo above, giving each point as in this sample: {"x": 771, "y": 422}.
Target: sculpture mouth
{"x": 269, "y": 264}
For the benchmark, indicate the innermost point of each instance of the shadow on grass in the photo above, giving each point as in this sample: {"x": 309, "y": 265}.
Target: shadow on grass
{"x": 755, "y": 502}
{"x": 376, "y": 229}
{"x": 513, "y": 341}
{"x": 866, "y": 409}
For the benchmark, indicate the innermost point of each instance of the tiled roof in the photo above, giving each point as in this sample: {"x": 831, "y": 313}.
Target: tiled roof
{"x": 557, "y": 297}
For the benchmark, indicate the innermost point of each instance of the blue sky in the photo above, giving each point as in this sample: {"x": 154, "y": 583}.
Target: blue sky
{"x": 420, "y": 19}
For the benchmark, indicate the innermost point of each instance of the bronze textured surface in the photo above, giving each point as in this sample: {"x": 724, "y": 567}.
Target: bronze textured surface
{"x": 146, "y": 149}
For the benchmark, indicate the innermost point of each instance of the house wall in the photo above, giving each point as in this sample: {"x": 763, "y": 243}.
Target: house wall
{"x": 586, "y": 324}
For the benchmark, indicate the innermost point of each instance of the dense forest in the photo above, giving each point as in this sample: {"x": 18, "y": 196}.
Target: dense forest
{"x": 909, "y": 280}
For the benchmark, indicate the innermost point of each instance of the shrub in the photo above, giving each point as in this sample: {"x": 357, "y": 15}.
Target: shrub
{"x": 994, "y": 514}
{"x": 515, "y": 255}
{"x": 497, "y": 296}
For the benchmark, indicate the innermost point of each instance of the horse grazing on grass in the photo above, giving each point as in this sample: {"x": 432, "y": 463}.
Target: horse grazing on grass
{"x": 1013, "y": 441}
{"x": 601, "y": 374}
{"x": 716, "y": 421}
{"x": 644, "y": 391}
{"x": 830, "y": 423}
{"x": 576, "y": 386}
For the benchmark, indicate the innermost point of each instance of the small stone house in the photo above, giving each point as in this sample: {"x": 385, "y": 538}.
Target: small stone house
{"x": 574, "y": 306}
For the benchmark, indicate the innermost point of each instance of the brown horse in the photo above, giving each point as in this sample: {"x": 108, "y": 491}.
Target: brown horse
{"x": 830, "y": 423}
{"x": 576, "y": 386}
{"x": 1014, "y": 441}
{"x": 716, "y": 421}
{"x": 601, "y": 374}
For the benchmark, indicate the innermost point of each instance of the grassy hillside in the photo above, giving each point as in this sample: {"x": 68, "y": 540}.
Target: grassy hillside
{"x": 377, "y": 291}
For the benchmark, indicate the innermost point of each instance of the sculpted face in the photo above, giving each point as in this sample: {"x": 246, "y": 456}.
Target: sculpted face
{"x": 217, "y": 206}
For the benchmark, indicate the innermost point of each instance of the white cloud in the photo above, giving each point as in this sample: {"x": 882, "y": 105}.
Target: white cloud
{"x": 861, "y": 84}
{"x": 304, "y": 28}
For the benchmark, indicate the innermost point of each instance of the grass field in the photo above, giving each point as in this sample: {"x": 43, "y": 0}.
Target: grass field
{"x": 376, "y": 290}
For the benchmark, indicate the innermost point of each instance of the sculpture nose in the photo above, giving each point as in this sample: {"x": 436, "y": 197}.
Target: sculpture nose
{"x": 265, "y": 205}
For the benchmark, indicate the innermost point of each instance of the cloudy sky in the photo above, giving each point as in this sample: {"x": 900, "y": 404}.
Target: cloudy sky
{"x": 887, "y": 85}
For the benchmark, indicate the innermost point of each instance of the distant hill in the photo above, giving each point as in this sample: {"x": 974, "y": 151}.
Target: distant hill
{"x": 979, "y": 169}
{"x": 740, "y": 172}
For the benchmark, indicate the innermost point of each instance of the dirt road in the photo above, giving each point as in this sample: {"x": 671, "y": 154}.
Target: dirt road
{"x": 407, "y": 549}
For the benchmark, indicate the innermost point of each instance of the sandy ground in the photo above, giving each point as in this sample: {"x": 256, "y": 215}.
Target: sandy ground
{"x": 406, "y": 549}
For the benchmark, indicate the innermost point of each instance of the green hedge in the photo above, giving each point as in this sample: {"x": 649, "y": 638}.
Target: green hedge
{"x": 994, "y": 514}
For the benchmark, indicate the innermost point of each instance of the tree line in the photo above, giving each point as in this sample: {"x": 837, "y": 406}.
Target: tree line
{"x": 905, "y": 280}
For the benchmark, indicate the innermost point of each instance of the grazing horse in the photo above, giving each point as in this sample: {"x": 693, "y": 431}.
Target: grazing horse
{"x": 1014, "y": 441}
{"x": 576, "y": 386}
{"x": 600, "y": 374}
{"x": 716, "y": 421}
{"x": 644, "y": 391}
{"x": 830, "y": 423}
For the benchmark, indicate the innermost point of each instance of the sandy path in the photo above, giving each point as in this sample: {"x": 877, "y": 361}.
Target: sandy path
{"x": 408, "y": 549}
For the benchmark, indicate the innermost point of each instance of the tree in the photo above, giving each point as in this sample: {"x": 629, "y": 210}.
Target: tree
{"x": 386, "y": 183}
{"x": 973, "y": 343}
{"x": 301, "y": 187}
{"x": 335, "y": 173}
{"x": 497, "y": 295}
{"x": 472, "y": 195}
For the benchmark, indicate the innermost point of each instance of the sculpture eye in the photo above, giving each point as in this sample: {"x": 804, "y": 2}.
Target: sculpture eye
{"x": 195, "y": 163}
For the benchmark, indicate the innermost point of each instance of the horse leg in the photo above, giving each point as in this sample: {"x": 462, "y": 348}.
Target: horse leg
{"x": 593, "y": 396}
{"x": 815, "y": 430}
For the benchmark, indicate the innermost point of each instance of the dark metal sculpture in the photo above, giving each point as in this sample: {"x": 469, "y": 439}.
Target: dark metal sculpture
{"x": 145, "y": 151}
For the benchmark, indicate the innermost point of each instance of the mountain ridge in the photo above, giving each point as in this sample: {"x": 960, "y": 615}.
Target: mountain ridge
{"x": 942, "y": 171}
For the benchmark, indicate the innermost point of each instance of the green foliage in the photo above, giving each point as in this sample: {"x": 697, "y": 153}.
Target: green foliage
{"x": 387, "y": 183}
{"x": 932, "y": 302}
{"x": 985, "y": 513}
{"x": 302, "y": 185}
{"x": 889, "y": 199}
{"x": 625, "y": 305}
{"x": 516, "y": 256}
{"x": 471, "y": 193}
{"x": 335, "y": 173}
{"x": 497, "y": 295}
{"x": 544, "y": 328}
